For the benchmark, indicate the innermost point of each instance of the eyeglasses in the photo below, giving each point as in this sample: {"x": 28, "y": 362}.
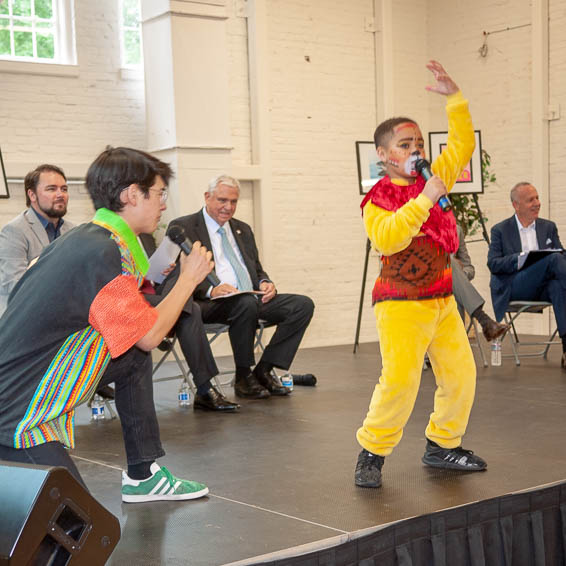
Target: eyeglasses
{"x": 163, "y": 194}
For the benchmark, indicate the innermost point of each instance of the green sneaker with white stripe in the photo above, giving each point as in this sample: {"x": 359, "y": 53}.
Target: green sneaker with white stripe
{"x": 161, "y": 486}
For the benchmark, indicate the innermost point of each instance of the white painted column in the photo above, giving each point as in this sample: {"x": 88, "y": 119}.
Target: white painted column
{"x": 539, "y": 103}
{"x": 539, "y": 113}
{"x": 258, "y": 58}
{"x": 384, "y": 80}
{"x": 187, "y": 94}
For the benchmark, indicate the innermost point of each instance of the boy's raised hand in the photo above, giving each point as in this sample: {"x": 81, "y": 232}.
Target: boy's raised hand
{"x": 444, "y": 84}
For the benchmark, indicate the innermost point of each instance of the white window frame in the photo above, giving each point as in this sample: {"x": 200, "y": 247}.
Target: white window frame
{"x": 63, "y": 35}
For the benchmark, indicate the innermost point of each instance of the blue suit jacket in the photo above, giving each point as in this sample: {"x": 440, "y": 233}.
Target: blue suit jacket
{"x": 502, "y": 258}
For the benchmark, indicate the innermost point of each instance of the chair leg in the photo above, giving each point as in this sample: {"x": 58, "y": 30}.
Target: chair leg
{"x": 478, "y": 340}
{"x": 186, "y": 374}
{"x": 258, "y": 338}
{"x": 108, "y": 406}
{"x": 514, "y": 338}
{"x": 549, "y": 344}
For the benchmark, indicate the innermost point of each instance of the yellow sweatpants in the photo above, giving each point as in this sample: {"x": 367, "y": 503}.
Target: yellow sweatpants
{"x": 408, "y": 329}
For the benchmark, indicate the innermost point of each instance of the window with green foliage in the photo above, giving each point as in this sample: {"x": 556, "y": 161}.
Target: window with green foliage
{"x": 36, "y": 30}
{"x": 131, "y": 33}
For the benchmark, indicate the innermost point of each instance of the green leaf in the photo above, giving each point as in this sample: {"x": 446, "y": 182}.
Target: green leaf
{"x": 21, "y": 24}
{"x": 5, "y": 42}
{"x": 23, "y": 44}
{"x": 44, "y": 9}
{"x": 45, "y": 46}
{"x": 21, "y": 8}
{"x": 132, "y": 48}
{"x": 131, "y": 13}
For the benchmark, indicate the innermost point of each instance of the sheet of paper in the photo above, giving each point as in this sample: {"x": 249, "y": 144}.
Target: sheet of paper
{"x": 237, "y": 293}
{"x": 161, "y": 259}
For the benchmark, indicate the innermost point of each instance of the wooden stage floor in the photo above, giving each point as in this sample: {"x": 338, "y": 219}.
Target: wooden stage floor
{"x": 281, "y": 471}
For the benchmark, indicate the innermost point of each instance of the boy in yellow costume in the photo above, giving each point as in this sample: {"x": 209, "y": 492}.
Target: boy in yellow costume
{"x": 414, "y": 307}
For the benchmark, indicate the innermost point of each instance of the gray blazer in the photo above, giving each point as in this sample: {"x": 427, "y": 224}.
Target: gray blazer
{"x": 463, "y": 256}
{"x": 21, "y": 240}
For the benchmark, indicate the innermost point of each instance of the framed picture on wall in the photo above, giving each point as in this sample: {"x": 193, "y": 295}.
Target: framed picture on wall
{"x": 3, "y": 181}
{"x": 471, "y": 179}
{"x": 369, "y": 171}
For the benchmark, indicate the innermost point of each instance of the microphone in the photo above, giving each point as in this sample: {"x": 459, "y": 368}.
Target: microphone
{"x": 422, "y": 166}
{"x": 177, "y": 235}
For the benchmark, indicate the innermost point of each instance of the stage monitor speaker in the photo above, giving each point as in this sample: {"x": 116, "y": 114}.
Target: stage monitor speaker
{"x": 48, "y": 518}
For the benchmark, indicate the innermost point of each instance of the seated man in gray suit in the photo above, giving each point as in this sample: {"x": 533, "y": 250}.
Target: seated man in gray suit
{"x": 511, "y": 242}
{"x": 238, "y": 268}
{"x": 466, "y": 294}
{"x": 24, "y": 237}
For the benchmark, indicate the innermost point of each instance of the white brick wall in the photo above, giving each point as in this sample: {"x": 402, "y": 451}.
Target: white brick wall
{"x": 319, "y": 107}
{"x": 69, "y": 120}
{"x": 499, "y": 90}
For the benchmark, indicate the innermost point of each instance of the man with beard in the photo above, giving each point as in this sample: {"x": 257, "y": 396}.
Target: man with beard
{"x": 24, "y": 237}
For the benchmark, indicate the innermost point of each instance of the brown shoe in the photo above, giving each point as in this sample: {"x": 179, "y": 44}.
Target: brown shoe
{"x": 492, "y": 330}
{"x": 563, "y": 361}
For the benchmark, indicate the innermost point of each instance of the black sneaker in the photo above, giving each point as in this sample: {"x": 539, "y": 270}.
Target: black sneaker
{"x": 368, "y": 469}
{"x": 452, "y": 458}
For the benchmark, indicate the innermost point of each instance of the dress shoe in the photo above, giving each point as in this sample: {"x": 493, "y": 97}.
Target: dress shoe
{"x": 492, "y": 330}
{"x": 304, "y": 379}
{"x": 249, "y": 388}
{"x": 270, "y": 382}
{"x": 213, "y": 400}
{"x": 563, "y": 361}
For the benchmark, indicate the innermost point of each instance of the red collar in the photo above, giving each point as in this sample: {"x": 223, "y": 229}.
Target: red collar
{"x": 440, "y": 226}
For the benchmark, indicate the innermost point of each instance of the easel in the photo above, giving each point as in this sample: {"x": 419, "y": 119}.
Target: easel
{"x": 365, "y": 272}
{"x": 361, "y": 306}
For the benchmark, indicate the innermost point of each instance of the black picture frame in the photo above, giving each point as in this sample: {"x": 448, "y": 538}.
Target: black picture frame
{"x": 368, "y": 171}
{"x": 471, "y": 180}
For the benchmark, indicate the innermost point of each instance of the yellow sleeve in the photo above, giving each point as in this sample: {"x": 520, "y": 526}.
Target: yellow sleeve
{"x": 390, "y": 232}
{"x": 461, "y": 141}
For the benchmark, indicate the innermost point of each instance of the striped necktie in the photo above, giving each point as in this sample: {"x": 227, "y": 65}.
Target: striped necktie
{"x": 242, "y": 275}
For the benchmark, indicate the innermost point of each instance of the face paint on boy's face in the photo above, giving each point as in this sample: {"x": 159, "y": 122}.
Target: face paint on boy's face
{"x": 403, "y": 150}
{"x": 410, "y": 163}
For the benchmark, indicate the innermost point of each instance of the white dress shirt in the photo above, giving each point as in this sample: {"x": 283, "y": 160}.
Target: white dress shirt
{"x": 224, "y": 270}
{"x": 528, "y": 236}
{"x": 529, "y": 241}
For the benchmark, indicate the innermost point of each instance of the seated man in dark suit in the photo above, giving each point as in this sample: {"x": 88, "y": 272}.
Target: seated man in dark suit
{"x": 511, "y": 240}
{"x": 190, "y": 333}
{"x": 239, "y": 269}
{"x": 467, "y": 296}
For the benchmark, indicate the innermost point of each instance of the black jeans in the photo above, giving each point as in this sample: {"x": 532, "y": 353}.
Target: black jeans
{"x": 131, "y": 373}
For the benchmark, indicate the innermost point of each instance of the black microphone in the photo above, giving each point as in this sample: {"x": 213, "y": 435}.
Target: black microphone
{"x": 177, "y": 235}
{"x": 422, "y": 166}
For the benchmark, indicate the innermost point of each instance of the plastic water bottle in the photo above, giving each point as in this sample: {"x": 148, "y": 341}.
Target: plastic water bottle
{"x": 496, "y": 352}
{"x": 287, "y": 381}
{"x": 184, "y": 395}
{"x": 97, "y": 408}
